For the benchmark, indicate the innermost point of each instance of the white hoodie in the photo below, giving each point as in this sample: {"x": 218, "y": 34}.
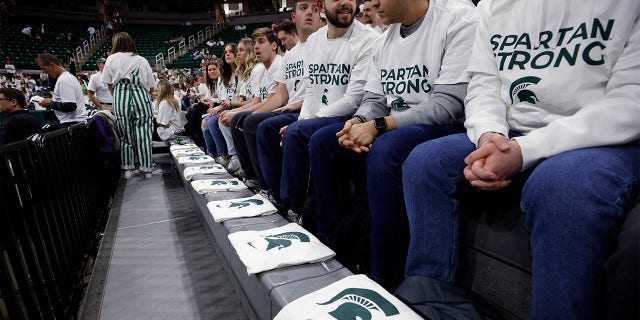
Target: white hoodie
{"x": 566, "y": 74}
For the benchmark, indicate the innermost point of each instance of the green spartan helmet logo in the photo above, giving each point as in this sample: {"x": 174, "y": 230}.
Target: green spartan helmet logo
{"x": 518, "y": 88}
{"x": 242, "y": 204}
{"x": 283, "y": 240}
{"x": 359, "y": 303}
{"x": 325, "y": 101}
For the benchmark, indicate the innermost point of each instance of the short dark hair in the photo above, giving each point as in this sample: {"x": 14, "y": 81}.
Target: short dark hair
{"x": 264, "y": 32}
{"x": 287, "y": 26}
{"x": 48, "y": 59}
{"x": 122, "y": 42}
{"x": 11, "y": 93}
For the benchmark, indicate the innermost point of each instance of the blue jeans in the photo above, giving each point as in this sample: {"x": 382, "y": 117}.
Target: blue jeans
{"x": 269, "y": 150}
{"x": 208, "y": 138}
{"x": 295, "y": 162}
{"x": 574, "y": 202}
{"x": 216, "y": 134}
{"x": 332, "y": 167}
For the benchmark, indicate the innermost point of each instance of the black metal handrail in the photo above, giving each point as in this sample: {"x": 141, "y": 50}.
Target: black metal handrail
{"x": 51, "y": 205}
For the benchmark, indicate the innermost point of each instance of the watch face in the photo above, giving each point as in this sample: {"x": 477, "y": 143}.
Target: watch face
{"x": 381, "y": 125}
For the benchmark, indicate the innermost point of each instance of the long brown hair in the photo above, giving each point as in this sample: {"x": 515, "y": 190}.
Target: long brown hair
{"x": 211, "y": 83}
{"x": 122, "y": 42}
{"x": 226, "y": 72}
{"x": 165, "y": 92}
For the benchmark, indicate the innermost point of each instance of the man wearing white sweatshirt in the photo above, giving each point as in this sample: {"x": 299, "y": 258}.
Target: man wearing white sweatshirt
{"x": 552, "y": 108}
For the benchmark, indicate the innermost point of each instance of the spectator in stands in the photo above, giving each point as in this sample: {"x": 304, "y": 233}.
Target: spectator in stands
{"x": 68, "y": 100}
{"x": 130, "y": 78}
{"x": 211, "y": 43}
{"x": 227, "y": 92}
{"x": 391, "y": 122}
{"x": 91, "y": 31}
{"x": 99, "y": 93}
{"x": 9, "y": 69}
{"x": 262, "y": 87}
{"x": 168, "y": 111}
{"x": 220, "y": 42}
{"x": 283, "y": 106}
{"x": 287, "y": 34}
{"x": 338, "y": 56}
{"x": 371, "y": 8}
{"x": 18, "y": 123}
{"x": 248, "y": 72}
{"x": 564, "y": 131}
{"x": 27, "y": 31}
{"x": 366, "y": 12}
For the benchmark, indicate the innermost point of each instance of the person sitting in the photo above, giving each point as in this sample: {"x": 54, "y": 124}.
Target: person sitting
{"x": 168, "y": 111}
{"x": 391, "y": 122}
{"x": 18, "y": 124}
{"x": 554, "y": 114}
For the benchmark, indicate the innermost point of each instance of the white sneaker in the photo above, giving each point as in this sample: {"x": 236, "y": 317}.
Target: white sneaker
{"x": 148, "y": 175}
{"x": 128, "y": 174}
{"x": 234, "y": 164}
{"x": 222, "y": 161}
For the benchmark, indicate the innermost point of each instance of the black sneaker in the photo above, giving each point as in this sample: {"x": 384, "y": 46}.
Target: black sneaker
{"x": 181, "y": 132}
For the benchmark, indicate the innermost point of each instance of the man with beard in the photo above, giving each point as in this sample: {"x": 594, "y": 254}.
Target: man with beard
{"x": 336, "y": 62}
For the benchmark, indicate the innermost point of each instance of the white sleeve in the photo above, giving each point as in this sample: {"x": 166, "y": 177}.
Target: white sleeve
{"x": 612, "y": 120}
{"x": 164, "y": 113}
{"x": 484, "y": 108}
{"x": 107, "y": 76}
{"x": 93, "y": 83}
{"x": 146, "y": 74}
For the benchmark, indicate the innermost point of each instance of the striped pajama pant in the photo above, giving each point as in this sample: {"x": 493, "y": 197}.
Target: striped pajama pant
{"x": 134, "y": 114}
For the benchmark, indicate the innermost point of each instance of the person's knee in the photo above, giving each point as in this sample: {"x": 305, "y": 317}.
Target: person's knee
{"x": 205, "y": 125}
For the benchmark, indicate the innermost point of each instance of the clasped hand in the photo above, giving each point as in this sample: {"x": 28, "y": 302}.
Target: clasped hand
{"x": 357, "y": 136}
{"x": 494, "y": 163}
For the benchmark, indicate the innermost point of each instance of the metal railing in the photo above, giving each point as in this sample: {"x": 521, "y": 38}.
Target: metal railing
{"x": 52, "y": 201}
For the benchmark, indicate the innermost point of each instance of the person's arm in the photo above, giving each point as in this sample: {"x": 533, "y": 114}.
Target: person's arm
{"x": 612, "y": 120}
{"x": 446, "y": 106}
{"x": 94, "y": 99}
{"x": 276, "y": 100}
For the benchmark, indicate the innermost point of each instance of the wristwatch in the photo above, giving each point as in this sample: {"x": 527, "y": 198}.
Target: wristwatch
{"x": 381, "y": 125}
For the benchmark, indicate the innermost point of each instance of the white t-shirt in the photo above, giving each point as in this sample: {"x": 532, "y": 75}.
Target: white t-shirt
{"x": 262, "y": 83}
{"x": 10, "y": 68}
{"x": 100, "y": 88}
{"x": 120, "y": 65}
{"x": 291, "y": 72}
{"x": 444, "y": 40}
{"x": 229, "y": 92}
{"x": 568, "y": 80}
{"x": 170, "y": 116}
{"x": 337, "y": 71}
{"x": 68, "y": 89}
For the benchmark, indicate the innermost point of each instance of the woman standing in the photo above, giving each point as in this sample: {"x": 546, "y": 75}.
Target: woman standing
{"x": 130, "y": 78}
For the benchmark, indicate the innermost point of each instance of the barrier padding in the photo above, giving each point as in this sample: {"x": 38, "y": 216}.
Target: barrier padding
{"x": 263, "y": 295}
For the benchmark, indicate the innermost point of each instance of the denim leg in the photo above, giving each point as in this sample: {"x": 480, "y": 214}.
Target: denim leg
{"x": 389, "y": 226}
{"x": 575, "y": 202}
{"x": 208, "y": 138}
{"x": 228, "y": 139}
{"x": 295, "y": 163}
{"x": 214, "y": 129}
{"x": 241, "y": 146}
{"x": 269, "y": 150}
{"x": 329, "y": 166}
{"x": 432, "y": 179}
{"x": 249, "y": 131}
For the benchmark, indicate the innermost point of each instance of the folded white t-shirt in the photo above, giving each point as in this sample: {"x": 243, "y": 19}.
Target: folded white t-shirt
{"x": 254, "y": 206}
{"x": 187, "y": 152}
{"x": 211, "y": 185}
{"x": 196, "y": 159}
{"x": 352, "y": 297}
{"x": 288, "y": 245}
{"x": 182, "y": 146}
{"x": 189, "y": 172}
